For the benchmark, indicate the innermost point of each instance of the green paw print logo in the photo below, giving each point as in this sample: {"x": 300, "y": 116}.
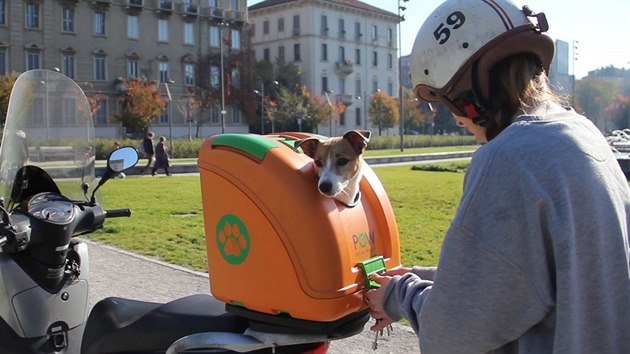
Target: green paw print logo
{"x": 232, "y": 239}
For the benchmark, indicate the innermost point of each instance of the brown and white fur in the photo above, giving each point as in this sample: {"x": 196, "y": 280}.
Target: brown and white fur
{"x": 338, "y": 163}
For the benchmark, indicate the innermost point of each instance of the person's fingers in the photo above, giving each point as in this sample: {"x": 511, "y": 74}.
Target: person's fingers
{"x": 378, "y": 278}
{"x": 380, "y": 324}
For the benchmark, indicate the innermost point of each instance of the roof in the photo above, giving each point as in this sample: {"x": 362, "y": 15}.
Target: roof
{"x": 351, "y": 3}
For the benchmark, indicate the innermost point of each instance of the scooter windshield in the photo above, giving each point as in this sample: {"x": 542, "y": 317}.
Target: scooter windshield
{"x": 48, "y": 134}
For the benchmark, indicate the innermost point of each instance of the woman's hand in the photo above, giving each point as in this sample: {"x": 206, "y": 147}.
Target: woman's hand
{"x": 376, "y": 299}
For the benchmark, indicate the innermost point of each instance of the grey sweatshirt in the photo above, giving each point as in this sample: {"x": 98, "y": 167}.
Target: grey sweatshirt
{"x": 536, "y": 259}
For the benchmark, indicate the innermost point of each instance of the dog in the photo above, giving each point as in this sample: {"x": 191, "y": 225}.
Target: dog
{"x": 338, "y": 163}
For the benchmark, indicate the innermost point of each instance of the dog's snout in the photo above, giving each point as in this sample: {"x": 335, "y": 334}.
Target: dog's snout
{"x": 325, "y": 187}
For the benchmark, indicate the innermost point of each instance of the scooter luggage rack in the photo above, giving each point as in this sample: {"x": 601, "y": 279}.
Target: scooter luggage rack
{"x": 241, "y": 343}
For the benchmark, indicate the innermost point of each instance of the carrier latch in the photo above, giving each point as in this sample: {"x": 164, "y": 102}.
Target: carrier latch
{"x": 371, "y": 266}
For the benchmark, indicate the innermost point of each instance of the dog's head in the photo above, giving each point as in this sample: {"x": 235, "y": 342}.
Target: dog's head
{"x": 337, "y": 160}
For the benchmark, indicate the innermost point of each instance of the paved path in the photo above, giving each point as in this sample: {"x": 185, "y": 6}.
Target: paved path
{"x": 115, "y": 272}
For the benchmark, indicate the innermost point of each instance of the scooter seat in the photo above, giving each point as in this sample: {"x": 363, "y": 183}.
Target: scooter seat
{"x": 118, "y": 325}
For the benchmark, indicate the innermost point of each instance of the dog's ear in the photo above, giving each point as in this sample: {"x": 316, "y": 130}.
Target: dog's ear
{"x": 308, "y": 145}
{"x": 358, "y": 139}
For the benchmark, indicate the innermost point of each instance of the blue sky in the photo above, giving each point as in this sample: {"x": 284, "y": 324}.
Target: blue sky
{"x": 600, "y": 29}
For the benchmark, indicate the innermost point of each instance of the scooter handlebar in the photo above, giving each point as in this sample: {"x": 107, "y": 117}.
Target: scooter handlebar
{"x": 117, "y": 213}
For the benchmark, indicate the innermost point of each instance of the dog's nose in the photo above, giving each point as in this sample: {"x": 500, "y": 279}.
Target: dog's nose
{"x": 325, "y": 187}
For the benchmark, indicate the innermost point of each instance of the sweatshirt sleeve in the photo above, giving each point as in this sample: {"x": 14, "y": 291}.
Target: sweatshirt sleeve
{"x": 478, "y": 302}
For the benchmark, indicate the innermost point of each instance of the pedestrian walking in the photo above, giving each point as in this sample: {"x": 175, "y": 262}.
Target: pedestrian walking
{"x": 147, "y": 148}
{"x": 162, "y": 159}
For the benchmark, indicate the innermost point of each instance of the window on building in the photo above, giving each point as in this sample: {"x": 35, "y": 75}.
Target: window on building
{"x": 234, "y": 4}
{"x": 68, "y": 65}
{"x": 164, "y": 116}
{"x": 99, "y": 23}
{"x": 324, "y": 83}
{"x": 374, "y": 33}
{"x": 357, "y": 88}
{"x": 390, "y": 37}
{"x": 189, "y": 33}
{"x": 132, "y": 69}
{"x": 33, "y": 59}
{"x": 67, "y": 19}
{"x": 236, "y": 78}
{"x": 342, "y": 28}
{"x": 162, "y": 30}
{"x": 374, "y": 58}
{"x": 101, "y": 113}
{"x": 281, "y": 24}
{"x": 390, "y": 61}
{"x": 281, "y": 56}
{"x": 374, "y": 85}
{"x": 215, "y": 36}
{"x": 342, "y": 118}
{"x": 296, "y": 25}
{"x": 215, "y": 114}
{"x": 342, "y": 86}
{"x": 266, "y": 27}
{"x": 236, "y": 115}
{"x": 266, "y": 54}
{"x": 215, "y": 77}
{"x": 342, "y": 53}
{"x": 132, "y": 27}
{"x": 236, "y": 39}
{"x": 189, "y": 74}
{"x": 213, "y": 3}
{"x": 357, "y": 56}
{"x": 324, "y": 52}
{"x": 390, "y": 89}
{"x": 32, "y": 15}
{"x": 357, "y": 31}
{"x": 3, "y": 61}
{"x": 296, "y": 52}
{"x": 357, "y": 117}
{"x": 324, "y": 25}
{"x": 69, "y": 110}
{"x": 99, "y": 68}
{"x": 3, "y": 12}
{"x": 163, "y": 74}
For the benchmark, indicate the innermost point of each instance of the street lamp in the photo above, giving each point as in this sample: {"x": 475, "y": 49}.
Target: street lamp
{"x": 170, "y": 114}
{"x": 261, "y": 93}
{"x": 400, "y": 98}
{"x": 366, "y": 97}
{"x": 222, "y": 25}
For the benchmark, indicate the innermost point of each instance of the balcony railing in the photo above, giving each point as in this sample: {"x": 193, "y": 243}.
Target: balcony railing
{"x": 345, "y": 67}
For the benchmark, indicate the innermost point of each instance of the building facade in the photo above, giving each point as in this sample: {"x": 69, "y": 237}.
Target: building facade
{"x": 346, "y": 48}
{"x": 176, "y": 44}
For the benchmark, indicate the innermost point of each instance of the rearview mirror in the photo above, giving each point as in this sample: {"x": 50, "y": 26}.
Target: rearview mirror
{"x": 122, "y": 159}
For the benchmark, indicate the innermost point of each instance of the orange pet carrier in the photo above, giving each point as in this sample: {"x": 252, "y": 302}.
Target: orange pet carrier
{"x": 278, "y": 251}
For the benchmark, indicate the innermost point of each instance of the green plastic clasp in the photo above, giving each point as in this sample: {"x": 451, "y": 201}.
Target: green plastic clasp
{"x": 371, "y": 266}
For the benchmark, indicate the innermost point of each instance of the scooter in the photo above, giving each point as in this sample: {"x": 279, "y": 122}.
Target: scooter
{"x": 47, "y": 165}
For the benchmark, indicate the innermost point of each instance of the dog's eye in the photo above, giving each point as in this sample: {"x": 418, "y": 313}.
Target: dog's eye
{"x": 342, "y": 162}
{"x": 318, "y": 163}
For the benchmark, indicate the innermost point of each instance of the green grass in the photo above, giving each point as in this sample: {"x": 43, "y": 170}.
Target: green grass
{"x": 167, "y": 220}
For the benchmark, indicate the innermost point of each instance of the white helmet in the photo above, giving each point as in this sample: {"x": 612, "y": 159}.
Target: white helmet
{"x": 460, "y": 43}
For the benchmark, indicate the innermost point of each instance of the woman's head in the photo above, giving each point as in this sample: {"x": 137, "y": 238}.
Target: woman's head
{"x": 459, "y": 45}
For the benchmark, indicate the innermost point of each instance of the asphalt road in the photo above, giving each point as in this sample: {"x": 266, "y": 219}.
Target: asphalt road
{"x": 114, "y": 272}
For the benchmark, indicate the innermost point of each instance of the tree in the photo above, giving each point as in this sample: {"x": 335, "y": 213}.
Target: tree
{"x": 593, "y": 95}
{"x": 6, "y": 85}
{"x": 383, "y": 111}
{"x": 141, "y": 105}
{"x": 618, "y": 112}
{"x": 414, "y": 116}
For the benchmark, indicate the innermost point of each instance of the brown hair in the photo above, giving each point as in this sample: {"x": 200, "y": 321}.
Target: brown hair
{"x": 518, "y": 84}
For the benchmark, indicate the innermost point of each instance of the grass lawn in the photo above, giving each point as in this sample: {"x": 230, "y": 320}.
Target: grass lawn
{"x": 167, "y": 221}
